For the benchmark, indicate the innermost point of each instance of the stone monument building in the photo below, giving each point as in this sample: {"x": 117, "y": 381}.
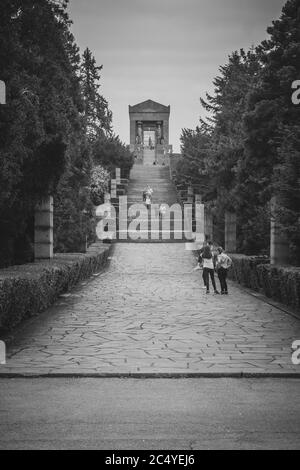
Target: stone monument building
{"x": 149, "y": 133}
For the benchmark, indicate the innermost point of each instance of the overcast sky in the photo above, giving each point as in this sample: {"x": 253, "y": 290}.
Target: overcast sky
{"x": 166, "y": 50}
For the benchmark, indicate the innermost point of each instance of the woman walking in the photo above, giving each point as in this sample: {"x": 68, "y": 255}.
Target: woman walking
{"x": 208, "y": 268}
{"x": 223, "y": 265}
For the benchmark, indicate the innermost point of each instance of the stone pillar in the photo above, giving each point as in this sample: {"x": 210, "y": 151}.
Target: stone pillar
{"x": 2, "y": 353}
{"x": 190, "y": 195}
{"x": 118, "y": 175}
{"x": 113, "y": 189}
{"x": 199, "y": 215}
{"x": 140, "y": 132}
{"x": 165, "y": 133}
{"x": 2, "y": 92}
{"x": 43, "y": 229}
{"x": 230, "y": 232}
{"x": 200, "y": 220}
{"x": 279, "y": 247}
{"x": 158, "y": 132}
{"x": 132, "y": 132}
{"x": 208, "y": 224}
{"x": 106, "y": 198}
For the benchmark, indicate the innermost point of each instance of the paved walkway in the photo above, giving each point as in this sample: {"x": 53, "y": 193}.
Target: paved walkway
{"x": 148, "y": 314}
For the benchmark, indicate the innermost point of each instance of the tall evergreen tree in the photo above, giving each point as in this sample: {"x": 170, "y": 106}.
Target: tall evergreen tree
{"x": 214, "y": 152}
{"x": 37, "y": 122}
{"x": 272, "y": 124}
{"x": 97, "y": 116}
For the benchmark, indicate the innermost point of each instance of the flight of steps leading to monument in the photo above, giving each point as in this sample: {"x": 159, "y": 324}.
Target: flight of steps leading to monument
{"x": 159, "y": 180}
{"x": 148, "y": 226}
{"x": 148, "y": 156}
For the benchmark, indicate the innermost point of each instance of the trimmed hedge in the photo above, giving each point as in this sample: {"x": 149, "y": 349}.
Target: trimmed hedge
{"x": 31, "y": 288}
{"x": 244, "y": 269}
{"x": 281, "y": 283}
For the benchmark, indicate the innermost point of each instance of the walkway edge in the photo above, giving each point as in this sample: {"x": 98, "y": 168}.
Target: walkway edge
{"x": 99, "y": 255}
{"x": 282, "y": 307}
{"x": 151, "y": 375}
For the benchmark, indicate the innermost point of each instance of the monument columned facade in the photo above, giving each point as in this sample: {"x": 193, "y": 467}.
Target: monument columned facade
{"x": 149, "y": 133}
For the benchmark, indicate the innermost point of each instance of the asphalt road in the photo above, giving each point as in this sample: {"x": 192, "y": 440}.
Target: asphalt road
{"x": 149, "y": 414}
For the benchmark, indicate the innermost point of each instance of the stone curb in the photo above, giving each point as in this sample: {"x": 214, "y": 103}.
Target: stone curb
{"x": 283, "y": 308}
{"x": 152, "y": 375}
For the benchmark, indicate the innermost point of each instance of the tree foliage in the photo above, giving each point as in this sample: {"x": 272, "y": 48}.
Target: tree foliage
{"x": 111, "y": 153}
{"x": 53, "y": 122}
{"x": 42, "y": 110}
{"x": 97, "y": 116}
{"x": 272, "y": 126}
{"x": 248, "y": 148}
{"x": 99, "y": 184}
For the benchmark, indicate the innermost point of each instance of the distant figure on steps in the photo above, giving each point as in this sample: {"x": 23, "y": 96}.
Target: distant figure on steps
{"x": 147, "y": 196}
{"x": 162, "y": 210}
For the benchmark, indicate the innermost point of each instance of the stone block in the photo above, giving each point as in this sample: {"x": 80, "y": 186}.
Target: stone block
{"x": 2, "y": 92}
{"x": 43, "y": 235}
{"x": 43, "y": 229}
{"x": 118, "y": 175}
{"x": 43, "y": 251}
{"x": 279, "y": 245}
{"x": 43, "y": 219}
{"x": 230, "y": 232}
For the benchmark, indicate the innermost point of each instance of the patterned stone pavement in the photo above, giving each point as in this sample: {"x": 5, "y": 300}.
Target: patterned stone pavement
{"x": 147, "y": 313}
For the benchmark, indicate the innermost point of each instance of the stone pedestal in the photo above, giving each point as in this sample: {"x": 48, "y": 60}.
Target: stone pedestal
{"x": 188, "y": 221}
{"x": 43, "y": 230}
{"x": 190, "y": 195}
{"x": 230, "y": 232}
{"x": 106, "y": 198}
{"x": 113, "y": 189}
{"x": 279, "y": 247}
{"x": 2, "y": 353}
{"x": 200, "y": 221}
{"x": 2, "y": 92}
{"x": 118, "y": 175}
{"x": 208, "y": 225}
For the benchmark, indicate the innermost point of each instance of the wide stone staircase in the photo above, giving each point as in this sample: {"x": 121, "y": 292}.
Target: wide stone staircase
{"x": 148, "y": 156}
{"x": 136, "y": 223}
{"x": 159, "y": 180}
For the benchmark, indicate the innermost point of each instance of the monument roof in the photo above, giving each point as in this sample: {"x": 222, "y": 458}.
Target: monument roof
{"x": 149, "y": 106}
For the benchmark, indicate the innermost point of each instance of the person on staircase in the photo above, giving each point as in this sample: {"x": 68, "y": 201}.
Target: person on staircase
{"x": 147, "y": 196}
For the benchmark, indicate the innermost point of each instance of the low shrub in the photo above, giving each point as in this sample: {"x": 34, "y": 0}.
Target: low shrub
{"x": 29, "y": 289}
{"x": 244, "y": 270}
{"x": 281, "y": 283}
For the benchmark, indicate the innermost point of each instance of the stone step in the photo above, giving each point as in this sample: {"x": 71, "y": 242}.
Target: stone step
{"x": 143, "y": 240}
{"x": 164, "y": 191}
{"x": 158, "y": 236}
{"x": 168, "y": 229}
{"x": 172, "y": 226}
